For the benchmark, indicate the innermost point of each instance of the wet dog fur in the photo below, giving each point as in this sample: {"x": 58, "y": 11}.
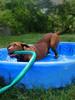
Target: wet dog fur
{"x": 49, "y": 40}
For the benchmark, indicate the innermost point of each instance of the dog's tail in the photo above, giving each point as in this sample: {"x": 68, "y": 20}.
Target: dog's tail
{"x": 61, "y": 32}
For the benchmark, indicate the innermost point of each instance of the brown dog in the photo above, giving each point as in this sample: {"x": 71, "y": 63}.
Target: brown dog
{"x": 41, "y": 48}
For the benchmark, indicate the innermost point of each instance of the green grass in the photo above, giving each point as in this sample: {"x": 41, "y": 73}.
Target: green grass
{"x": 67, "y": 93}
{"x": 30, "y": 38}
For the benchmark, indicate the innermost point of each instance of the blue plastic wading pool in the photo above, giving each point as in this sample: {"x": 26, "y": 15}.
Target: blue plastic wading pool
{"x": 45, "y": 73}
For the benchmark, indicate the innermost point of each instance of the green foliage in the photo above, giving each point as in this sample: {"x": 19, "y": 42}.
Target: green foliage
{"x": 23, "y": 16}
{"x": 54, "y": 22}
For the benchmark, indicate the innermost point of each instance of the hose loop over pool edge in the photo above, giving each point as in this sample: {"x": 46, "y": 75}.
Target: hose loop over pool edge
{"x": 23, "y": 72}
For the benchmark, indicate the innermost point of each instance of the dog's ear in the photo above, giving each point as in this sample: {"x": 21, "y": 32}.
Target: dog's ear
{"x": 24, "y": 44}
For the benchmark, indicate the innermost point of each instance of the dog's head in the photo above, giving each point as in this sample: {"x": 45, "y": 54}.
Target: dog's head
{"x": 16, "y": 46}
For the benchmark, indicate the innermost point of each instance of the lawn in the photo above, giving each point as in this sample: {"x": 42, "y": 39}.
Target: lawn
{"x": 67, "y": 93}
{"x": 30, "y": 38}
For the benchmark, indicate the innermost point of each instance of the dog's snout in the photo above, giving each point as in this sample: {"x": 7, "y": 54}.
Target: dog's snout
{"x": 10, "y": 49}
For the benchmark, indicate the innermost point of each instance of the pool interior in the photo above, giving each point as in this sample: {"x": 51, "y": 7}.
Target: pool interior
{"x": 66, "y": 51}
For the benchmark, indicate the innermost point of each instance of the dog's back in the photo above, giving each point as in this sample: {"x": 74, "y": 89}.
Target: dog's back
{"x": 49, "y": 40}
{"x": 41, "y": 47}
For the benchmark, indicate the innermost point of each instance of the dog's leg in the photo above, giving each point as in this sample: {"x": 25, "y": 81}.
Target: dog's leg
{"x": 55, "y": 52}
{"x": 53, "y": 44}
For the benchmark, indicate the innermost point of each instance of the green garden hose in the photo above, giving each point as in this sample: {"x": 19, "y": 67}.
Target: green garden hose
{"x": 23, "y": 72}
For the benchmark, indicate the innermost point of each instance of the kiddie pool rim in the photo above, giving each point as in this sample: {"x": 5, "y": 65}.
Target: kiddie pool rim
{"x": 42, "y": 62}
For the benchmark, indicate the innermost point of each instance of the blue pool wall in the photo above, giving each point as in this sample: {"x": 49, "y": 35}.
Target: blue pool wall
{"x": 46, "y": 73}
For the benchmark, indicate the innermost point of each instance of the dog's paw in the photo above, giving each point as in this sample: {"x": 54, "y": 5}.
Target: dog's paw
{"x": 56, "y": 56}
